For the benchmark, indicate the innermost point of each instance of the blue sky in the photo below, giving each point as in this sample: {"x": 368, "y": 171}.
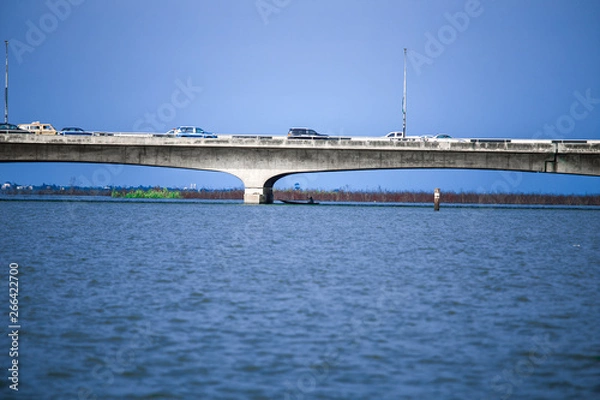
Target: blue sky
{"x": 487, "y": 68}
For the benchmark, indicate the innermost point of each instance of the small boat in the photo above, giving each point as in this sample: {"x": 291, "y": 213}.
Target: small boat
{"x": 309, "y": 202}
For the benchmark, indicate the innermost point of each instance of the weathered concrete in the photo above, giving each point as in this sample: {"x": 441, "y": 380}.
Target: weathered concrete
{"x": 260, "y": 162}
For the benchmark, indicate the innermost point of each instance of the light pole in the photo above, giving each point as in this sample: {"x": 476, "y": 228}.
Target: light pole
{"x": 6, "y": 87}
{"x": 404, "y": 99}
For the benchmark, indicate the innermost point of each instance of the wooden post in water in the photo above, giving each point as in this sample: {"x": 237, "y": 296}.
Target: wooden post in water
{"x": 436, "y": 199}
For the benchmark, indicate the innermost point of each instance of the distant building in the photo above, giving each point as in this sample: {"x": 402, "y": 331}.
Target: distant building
{"x": 6, "y": 186}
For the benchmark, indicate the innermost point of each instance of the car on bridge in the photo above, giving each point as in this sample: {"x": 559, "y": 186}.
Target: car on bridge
{"x": 39, "y": 129}
{"x": 190, "y": 131}
{"x": 400, "y": 136}
{"x": 10, "y": 128}
{"x": 444, "y": 137}
{"x": 305, "y": 133}
{"x": 74, "y": 131}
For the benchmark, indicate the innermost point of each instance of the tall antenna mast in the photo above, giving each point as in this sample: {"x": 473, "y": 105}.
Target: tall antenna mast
{"x": 404, "y": 99}
{"x": 6, "y": 87}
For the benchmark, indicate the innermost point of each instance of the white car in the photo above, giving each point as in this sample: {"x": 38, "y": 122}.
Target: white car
{"x": 446, "y": 138}
{"x": 398, "y": 136}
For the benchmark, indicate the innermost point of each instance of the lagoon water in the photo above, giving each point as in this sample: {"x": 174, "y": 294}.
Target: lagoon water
{"x": 196, "y": 300}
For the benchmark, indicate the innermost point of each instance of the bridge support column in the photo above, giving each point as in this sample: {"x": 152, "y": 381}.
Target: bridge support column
{"x": 258, "y": 195}
{"x": 258, "y": 184}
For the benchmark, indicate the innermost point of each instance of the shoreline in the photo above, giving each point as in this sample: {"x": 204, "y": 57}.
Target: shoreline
{"x": 337, "y": 196}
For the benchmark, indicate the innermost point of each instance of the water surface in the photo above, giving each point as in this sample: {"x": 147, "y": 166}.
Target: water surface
{"x": 194, "y": 300}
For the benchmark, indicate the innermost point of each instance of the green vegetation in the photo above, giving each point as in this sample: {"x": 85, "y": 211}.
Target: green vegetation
{"x": 156, "y": 193}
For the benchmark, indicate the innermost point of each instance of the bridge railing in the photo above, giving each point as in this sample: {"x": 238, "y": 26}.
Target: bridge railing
{"x": 352, "y": 141}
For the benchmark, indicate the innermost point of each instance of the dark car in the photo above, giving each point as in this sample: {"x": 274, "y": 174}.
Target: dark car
{"x": 10, "y": 128}
{"x": 305, "y": 133}
{"x": 74, "y": 131}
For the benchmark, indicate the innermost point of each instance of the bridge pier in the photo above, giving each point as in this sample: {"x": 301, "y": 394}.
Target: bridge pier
{"x": 258, "y": 195}
{"x": 258, "y": 184}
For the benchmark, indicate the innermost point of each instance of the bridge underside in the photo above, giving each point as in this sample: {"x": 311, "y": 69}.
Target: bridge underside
{"x": 259, "y": 165}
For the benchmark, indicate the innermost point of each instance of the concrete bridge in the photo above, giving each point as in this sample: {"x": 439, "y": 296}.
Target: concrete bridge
{"x": 259, "y": 161}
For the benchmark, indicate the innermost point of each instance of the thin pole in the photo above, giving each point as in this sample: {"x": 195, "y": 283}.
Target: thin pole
{"x": 6, "y": 87}
{"x": 404, "y": 100}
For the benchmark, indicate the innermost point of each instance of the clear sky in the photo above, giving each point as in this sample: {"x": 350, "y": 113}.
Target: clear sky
{"x": 487, "y": 68}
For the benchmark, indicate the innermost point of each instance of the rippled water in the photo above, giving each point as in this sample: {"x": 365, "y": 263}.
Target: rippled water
{"x": 189, "y": 300}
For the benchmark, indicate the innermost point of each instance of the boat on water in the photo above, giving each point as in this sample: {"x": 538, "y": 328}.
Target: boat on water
{"x": 309, "y": 202}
